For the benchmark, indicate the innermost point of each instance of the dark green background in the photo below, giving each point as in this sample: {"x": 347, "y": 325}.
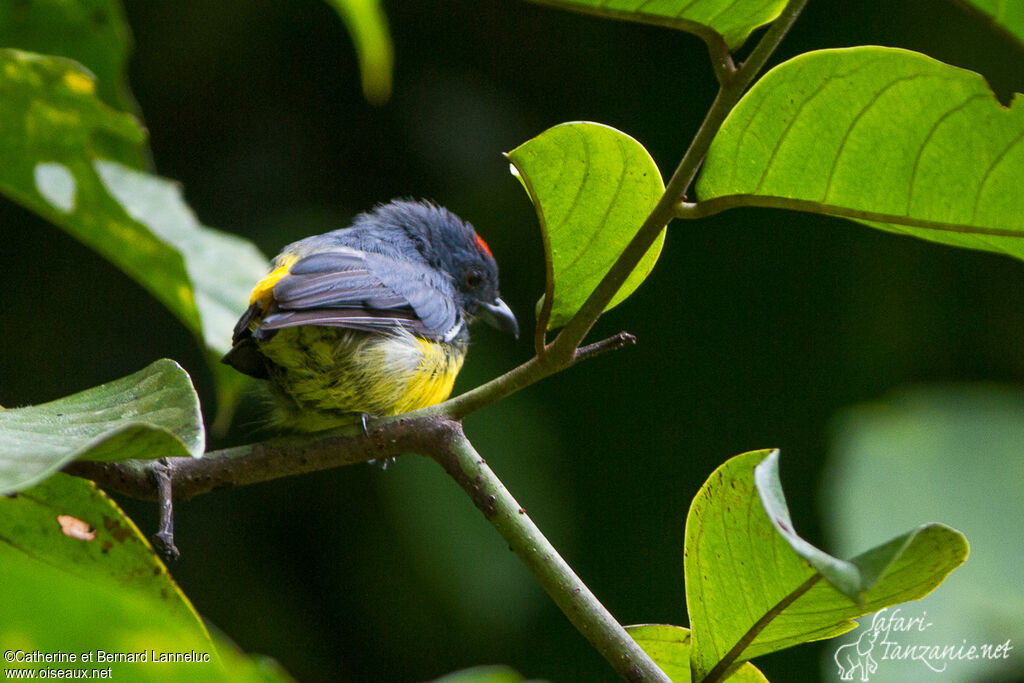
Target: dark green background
{"x": 755, "y": 328}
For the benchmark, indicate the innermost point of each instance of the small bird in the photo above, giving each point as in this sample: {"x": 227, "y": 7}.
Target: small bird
{"x": 371, "y": 319}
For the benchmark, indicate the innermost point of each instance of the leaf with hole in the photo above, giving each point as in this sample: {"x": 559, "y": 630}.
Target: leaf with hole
{"x": 592, "y": 187}
{"x": 887, "y": 137}
{"x": 153, "y": 413}
{"x": 72, "y": 164}
{"x": 754, "y": 586}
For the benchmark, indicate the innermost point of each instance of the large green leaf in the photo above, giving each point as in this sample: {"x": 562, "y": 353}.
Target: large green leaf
{"x": 153, "y": 413}
{"x": 368, "y": 26}
{"x": 64, "y": 158}
{"x": 887, "y": 137}
{"x": 592, "y": 186}
{"x": 713, "y": 20}
{"x": 105, "y": 547}
{"x": 953, "y": 451}
{"x": 79, "y": 578}
{"x": 1007, "y": 16}
{"x": 669, "y": 647}
{"x": 753, "y": 586}
{"x": 91, "y": 32}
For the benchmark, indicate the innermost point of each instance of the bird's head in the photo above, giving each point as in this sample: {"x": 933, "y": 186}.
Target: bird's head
{"x": 452, "y": 245}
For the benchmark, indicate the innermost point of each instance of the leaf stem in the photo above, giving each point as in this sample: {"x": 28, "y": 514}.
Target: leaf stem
{"x": 582, "y": 608}
{"x": 718, "y": 672}
{"x": 729, "y": 94}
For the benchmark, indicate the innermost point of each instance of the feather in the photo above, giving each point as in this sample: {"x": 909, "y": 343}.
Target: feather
{"x": 345, "y": 287}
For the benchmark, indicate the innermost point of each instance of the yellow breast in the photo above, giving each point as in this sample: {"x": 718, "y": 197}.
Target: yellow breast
{"x": 326, "y": 376}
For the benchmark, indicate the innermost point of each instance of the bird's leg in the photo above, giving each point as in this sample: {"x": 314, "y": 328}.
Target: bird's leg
{"x": 163, "y": 539}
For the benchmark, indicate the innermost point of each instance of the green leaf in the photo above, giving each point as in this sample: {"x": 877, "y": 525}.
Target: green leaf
{"x": 368, "y": 26}
{"x": 91, "y": 32}
{"x": 592, "y": 186}
{"x": 109, "y": 547}
{"x": 891, "y": 138}
{"x": 66, "y": 164}
{"x": 98, "y": 587}
{"x": 669, "y": 647}
{"x": 484, "y": 674}
{"x": 153, "y": 413}
{"x": 953, "y": 451}
{"x": 753, "y": 586}
{"x": 714, "y": 21}
{"x": 1006, "y": 16}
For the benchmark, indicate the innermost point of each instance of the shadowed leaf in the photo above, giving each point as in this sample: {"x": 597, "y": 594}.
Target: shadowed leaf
{"x": 727, "y": 21}
{"x": 153, "y": 413}
{"x": 68, "y": 165}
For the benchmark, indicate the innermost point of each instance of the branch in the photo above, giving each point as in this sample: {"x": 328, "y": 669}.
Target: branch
{"x": 267, "y": 460}
{"x": 436, "y": 437}
{"x": 582, "y": 608}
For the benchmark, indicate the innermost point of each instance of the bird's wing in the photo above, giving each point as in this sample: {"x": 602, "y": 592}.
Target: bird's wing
{"x": 361, "y": 290}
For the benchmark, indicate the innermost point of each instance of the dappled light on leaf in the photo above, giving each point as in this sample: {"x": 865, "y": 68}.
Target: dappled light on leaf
{"x": 56, "y": 185}
{"x": 74, "y": 167}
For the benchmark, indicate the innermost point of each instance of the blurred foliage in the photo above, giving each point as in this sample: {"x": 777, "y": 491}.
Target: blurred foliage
{"x": 1008, "y": 16}
{"x": 92, "y": 32}
{"x": 951, "y": 453}
{"x": 368, "y": 27}
{"x": 756, "y": 327}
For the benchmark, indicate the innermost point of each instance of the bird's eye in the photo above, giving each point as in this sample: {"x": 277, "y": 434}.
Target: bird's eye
{"x": 474, "y": 279}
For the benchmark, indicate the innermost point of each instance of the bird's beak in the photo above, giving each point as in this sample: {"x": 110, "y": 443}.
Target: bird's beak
{"x": 498, "y": 315}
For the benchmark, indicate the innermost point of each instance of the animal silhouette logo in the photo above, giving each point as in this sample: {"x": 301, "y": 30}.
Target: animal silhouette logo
{"x": 855, "y": 656}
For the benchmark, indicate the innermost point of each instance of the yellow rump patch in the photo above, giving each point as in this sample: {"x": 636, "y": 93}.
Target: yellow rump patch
{"x": 264, "y": 289}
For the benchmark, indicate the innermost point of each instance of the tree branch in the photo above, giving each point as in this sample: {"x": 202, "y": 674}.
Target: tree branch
{"x": 583, "y": 609}
{"x": 254, "y": 463}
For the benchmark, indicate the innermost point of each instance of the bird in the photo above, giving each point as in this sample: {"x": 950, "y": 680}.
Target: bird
{"x": 371, "y": 319}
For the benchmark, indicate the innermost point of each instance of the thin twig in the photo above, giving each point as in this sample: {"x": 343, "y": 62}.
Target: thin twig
{"x": 620, "y": 340}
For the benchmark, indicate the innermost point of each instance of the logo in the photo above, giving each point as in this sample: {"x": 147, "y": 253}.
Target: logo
{"x": 894, "y": 636}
